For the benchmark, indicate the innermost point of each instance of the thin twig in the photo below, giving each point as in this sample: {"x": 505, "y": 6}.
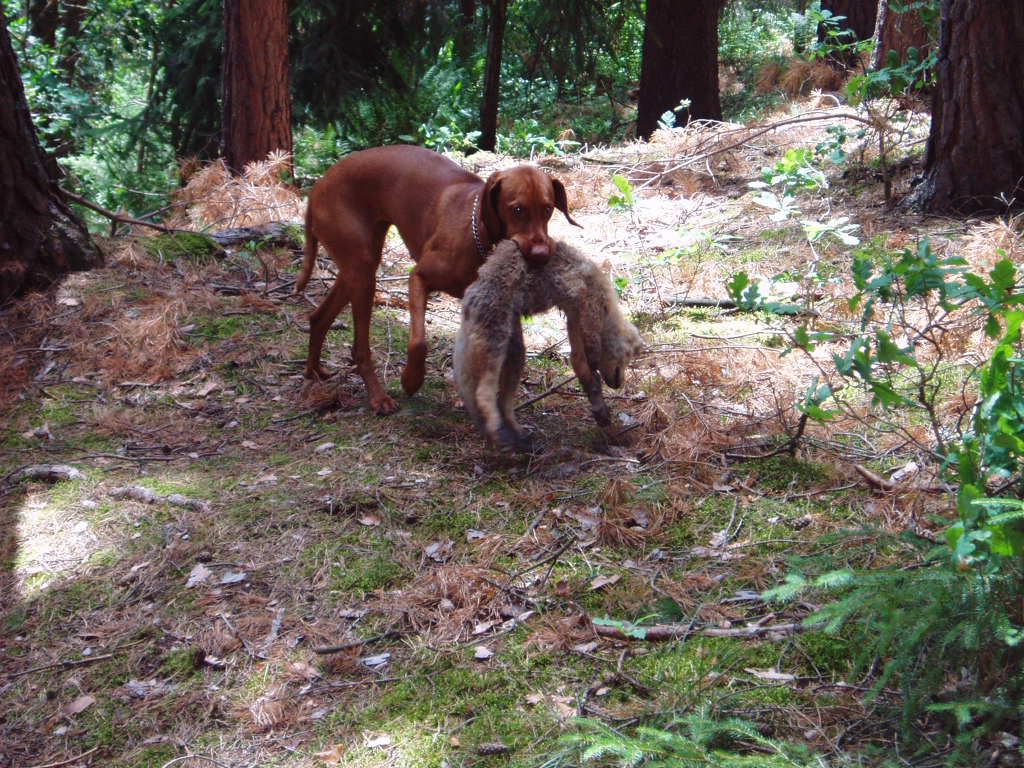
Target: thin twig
{"x": 544, "y": 394}
{"x": 57, "y": 665}
{"x": 68, "y": 761}
{"x": 182, "y": 758}
{"x": 358, "y": 643}
{"x": 119, "y": 217}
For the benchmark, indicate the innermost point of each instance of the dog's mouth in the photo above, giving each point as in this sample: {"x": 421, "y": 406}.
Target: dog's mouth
{"x": 537, "y": 253}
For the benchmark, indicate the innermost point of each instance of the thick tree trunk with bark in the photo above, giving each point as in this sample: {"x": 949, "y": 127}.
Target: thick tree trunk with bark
{"x": 680, "y": 61}
{"x": 860, "y": 20}
{"x": 975, "y": 156}
{"x": 40, "y": 237}
{"x": 257, "y": 96}
{"x": 492, "y": 77}
{"x": 897, "y": 32}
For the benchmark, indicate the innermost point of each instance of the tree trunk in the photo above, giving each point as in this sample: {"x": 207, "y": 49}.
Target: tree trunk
{"x": 464, "y": 40}
{"x": 895, "y": 31}
{"x": 859, "y": 19}
{"x": 492, "y": 78}
{"x": 257, "y": 98}
{"x": 43, "y": 20}
{"x": 40, "y": 237}
{"x": 975, "y": 156}
{"x": 680, "y": 61}
{"x": 73, "y": 16}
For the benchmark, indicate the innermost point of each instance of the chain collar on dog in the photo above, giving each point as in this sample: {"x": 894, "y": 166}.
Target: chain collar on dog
{"x": 480, "y": 250}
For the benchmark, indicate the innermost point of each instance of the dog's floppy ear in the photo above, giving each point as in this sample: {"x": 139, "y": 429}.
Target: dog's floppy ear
{"x": 561, "y": 202}
{"x": 490, "y": 199}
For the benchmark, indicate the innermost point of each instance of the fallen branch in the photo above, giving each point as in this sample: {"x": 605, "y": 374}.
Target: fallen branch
{"x": 57, "y": 665}
{"x": 662, "y": 632}
{"x": 545, "y": 393}
{"x": 680, "y": 301}
{"x": 117, "y": 216}
{"x": 146, "y": 496}
{"x": 358, "y": 643}
{"x": 885, "y": 485}
{"x": 69, "y": 761}
{"x": 749, "y": 137}
{"x": 273, "y": 233}
{"x": 51, "y": 472}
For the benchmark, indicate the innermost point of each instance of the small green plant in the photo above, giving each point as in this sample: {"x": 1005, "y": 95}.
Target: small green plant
{"x": 527, "y": 139}
{"x": 697, "y": 739}
{"x": 755, "y": 295}
{"x": 627, "y": 628}
{"x": 625, "y": 199}
{"x": 796, "y": 170}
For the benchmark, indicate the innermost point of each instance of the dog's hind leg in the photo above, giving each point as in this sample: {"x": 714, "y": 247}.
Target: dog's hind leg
{"x": 320, "y": 320}
{"x": 363, "y": 284}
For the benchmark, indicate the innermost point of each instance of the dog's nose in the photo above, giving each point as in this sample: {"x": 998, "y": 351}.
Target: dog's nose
{"x": 539, "y": 252}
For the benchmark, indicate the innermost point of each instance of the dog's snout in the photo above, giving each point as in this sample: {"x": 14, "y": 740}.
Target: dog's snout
{"x": 539, "y": 252}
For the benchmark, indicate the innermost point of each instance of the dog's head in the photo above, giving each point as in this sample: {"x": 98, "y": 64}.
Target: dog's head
{"x": 518, "y": 203}
{"x": 621, "y": 343}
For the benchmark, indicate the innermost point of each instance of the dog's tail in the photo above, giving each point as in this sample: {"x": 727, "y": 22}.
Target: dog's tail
{"x": 311, "y": 248}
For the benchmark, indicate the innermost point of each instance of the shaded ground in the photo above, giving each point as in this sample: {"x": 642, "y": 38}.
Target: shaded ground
{"x": 458, "y": 585}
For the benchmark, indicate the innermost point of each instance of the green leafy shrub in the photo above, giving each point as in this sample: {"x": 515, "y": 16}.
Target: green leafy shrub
{"x": 947, "y": 628}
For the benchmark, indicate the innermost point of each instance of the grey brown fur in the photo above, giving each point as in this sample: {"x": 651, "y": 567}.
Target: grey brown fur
{"x": 489, "y": 349}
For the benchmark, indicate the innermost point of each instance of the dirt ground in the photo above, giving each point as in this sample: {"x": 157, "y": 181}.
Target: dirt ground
{"x": 230, "y": 566}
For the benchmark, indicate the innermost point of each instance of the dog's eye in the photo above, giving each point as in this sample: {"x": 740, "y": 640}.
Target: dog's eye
{"x": 517, "y": 210}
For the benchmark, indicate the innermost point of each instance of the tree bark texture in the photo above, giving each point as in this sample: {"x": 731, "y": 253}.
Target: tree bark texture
{"x": 40, "y": 237}
{"x": 492, "y": 77}
{"x": 859, "y": 18}
{"x": 897, "y": 32}
{"x": 680, "y": 61}
{"x": 975, "y": 155}
{"x": 257, "y": 97}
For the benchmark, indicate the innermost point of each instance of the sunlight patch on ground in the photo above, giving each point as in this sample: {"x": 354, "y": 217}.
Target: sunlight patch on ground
{"x": 53, "y": 540}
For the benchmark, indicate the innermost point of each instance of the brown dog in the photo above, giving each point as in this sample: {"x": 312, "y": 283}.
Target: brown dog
{"x": 447, "y": 217}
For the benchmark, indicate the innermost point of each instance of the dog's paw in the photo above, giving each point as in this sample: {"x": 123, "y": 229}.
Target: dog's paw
{"x": 602, "y": 415}
{"x": 384, "y": 404}
{"x": 510, "y": 440}
{"x": 317, "y": 373}
{"x": 412, "y": 379}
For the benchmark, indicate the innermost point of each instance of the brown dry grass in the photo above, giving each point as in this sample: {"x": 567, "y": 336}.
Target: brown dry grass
{"x": 213, "y": 197}
{"x": 24, "y": 325}
{"x": 445, "y": 604}
{"x": 798, "y": 77}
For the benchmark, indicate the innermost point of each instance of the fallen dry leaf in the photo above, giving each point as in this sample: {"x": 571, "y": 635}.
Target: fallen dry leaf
{"x": 439, "y": 551}
{"x": 604, "y": 581}
{"x": 78, "y": 705}
{"x": 332, "y": 755}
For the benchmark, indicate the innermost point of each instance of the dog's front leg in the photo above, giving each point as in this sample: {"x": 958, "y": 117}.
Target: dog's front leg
{"x": 416, "y": 359}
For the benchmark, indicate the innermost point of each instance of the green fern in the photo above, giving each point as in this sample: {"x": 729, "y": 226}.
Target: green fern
{"x": 696, "y": 739}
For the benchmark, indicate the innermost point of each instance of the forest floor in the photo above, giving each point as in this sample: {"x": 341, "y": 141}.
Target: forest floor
{"x": 175, "y": 601}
